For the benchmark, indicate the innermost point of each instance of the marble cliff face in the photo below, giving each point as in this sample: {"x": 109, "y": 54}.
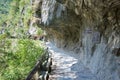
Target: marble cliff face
{"x": 90, "y": 28}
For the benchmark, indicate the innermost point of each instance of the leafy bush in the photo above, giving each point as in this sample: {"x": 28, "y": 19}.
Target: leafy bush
{"x": 17, "y": 57}
{"x": 16, "y": 65}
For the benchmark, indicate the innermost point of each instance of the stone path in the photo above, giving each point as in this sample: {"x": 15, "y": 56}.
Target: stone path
{"x": 67, "y": 66}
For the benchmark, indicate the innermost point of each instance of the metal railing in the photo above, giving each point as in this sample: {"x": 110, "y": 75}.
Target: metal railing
{"x": 42, "y": 66}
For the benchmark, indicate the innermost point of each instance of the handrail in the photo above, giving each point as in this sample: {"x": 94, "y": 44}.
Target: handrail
{"x": 34, "y": 70}
{"x": 38, "y": 65}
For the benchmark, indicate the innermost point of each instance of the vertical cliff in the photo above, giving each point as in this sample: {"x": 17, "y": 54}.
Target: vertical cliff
{"x": 90, "y": 28}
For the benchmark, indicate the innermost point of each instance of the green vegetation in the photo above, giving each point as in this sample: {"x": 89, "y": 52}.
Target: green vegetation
{"x": 4, "y": 6}
{"x": 16, "y": 20}
{"x": 39, "y": 31}
{"x": 19, "y": 55}
{"x": 17, "y": 58}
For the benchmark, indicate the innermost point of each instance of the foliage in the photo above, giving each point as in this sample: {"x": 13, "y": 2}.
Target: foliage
{"x": 4, "y": 6}
{"x": 19, "y": 13}
{"x": 18, "y": 19}
{"x": 17, "y": 56}
{"x": 15, "y": 65}
{"x": 39, "y": 31}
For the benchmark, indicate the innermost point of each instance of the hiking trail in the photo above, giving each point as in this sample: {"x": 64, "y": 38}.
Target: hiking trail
{"x": 67, "y": 66}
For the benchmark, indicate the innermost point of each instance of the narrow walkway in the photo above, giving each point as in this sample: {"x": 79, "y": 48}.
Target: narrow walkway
{"x": 67, "y": 66}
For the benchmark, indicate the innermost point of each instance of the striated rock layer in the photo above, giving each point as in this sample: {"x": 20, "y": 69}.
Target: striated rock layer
{"x": 90, "y": 28}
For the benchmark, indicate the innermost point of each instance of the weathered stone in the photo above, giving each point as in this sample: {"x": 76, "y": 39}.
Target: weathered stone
{"x": 88, "y": 27}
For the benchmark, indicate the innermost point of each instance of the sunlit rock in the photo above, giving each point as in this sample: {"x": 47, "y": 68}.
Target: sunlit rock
{"x": 90, "y": 28}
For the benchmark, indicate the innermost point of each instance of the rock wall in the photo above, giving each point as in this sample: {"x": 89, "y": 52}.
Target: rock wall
{"x": 90, "y": 28}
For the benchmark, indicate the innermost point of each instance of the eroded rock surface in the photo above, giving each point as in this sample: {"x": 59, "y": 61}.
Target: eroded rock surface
{"x": 90, "y": 28}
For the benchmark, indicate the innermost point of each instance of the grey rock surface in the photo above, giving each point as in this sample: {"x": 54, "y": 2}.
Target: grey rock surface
{"x": 67, "y": 66}
{"x": 90, "y": 28}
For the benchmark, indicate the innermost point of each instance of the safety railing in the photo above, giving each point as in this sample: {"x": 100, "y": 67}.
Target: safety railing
{"x": 42, "y": 67}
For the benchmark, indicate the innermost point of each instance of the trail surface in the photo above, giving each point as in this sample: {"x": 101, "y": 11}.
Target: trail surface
{"x": 67, "y": 66}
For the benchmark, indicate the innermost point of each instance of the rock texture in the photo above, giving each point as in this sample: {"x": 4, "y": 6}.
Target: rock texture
{"x": 67, "y": 66}
{"x": 90, "y": 28}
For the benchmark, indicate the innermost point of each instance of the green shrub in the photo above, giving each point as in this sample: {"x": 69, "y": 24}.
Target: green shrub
{"x": 19, "y": 63}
